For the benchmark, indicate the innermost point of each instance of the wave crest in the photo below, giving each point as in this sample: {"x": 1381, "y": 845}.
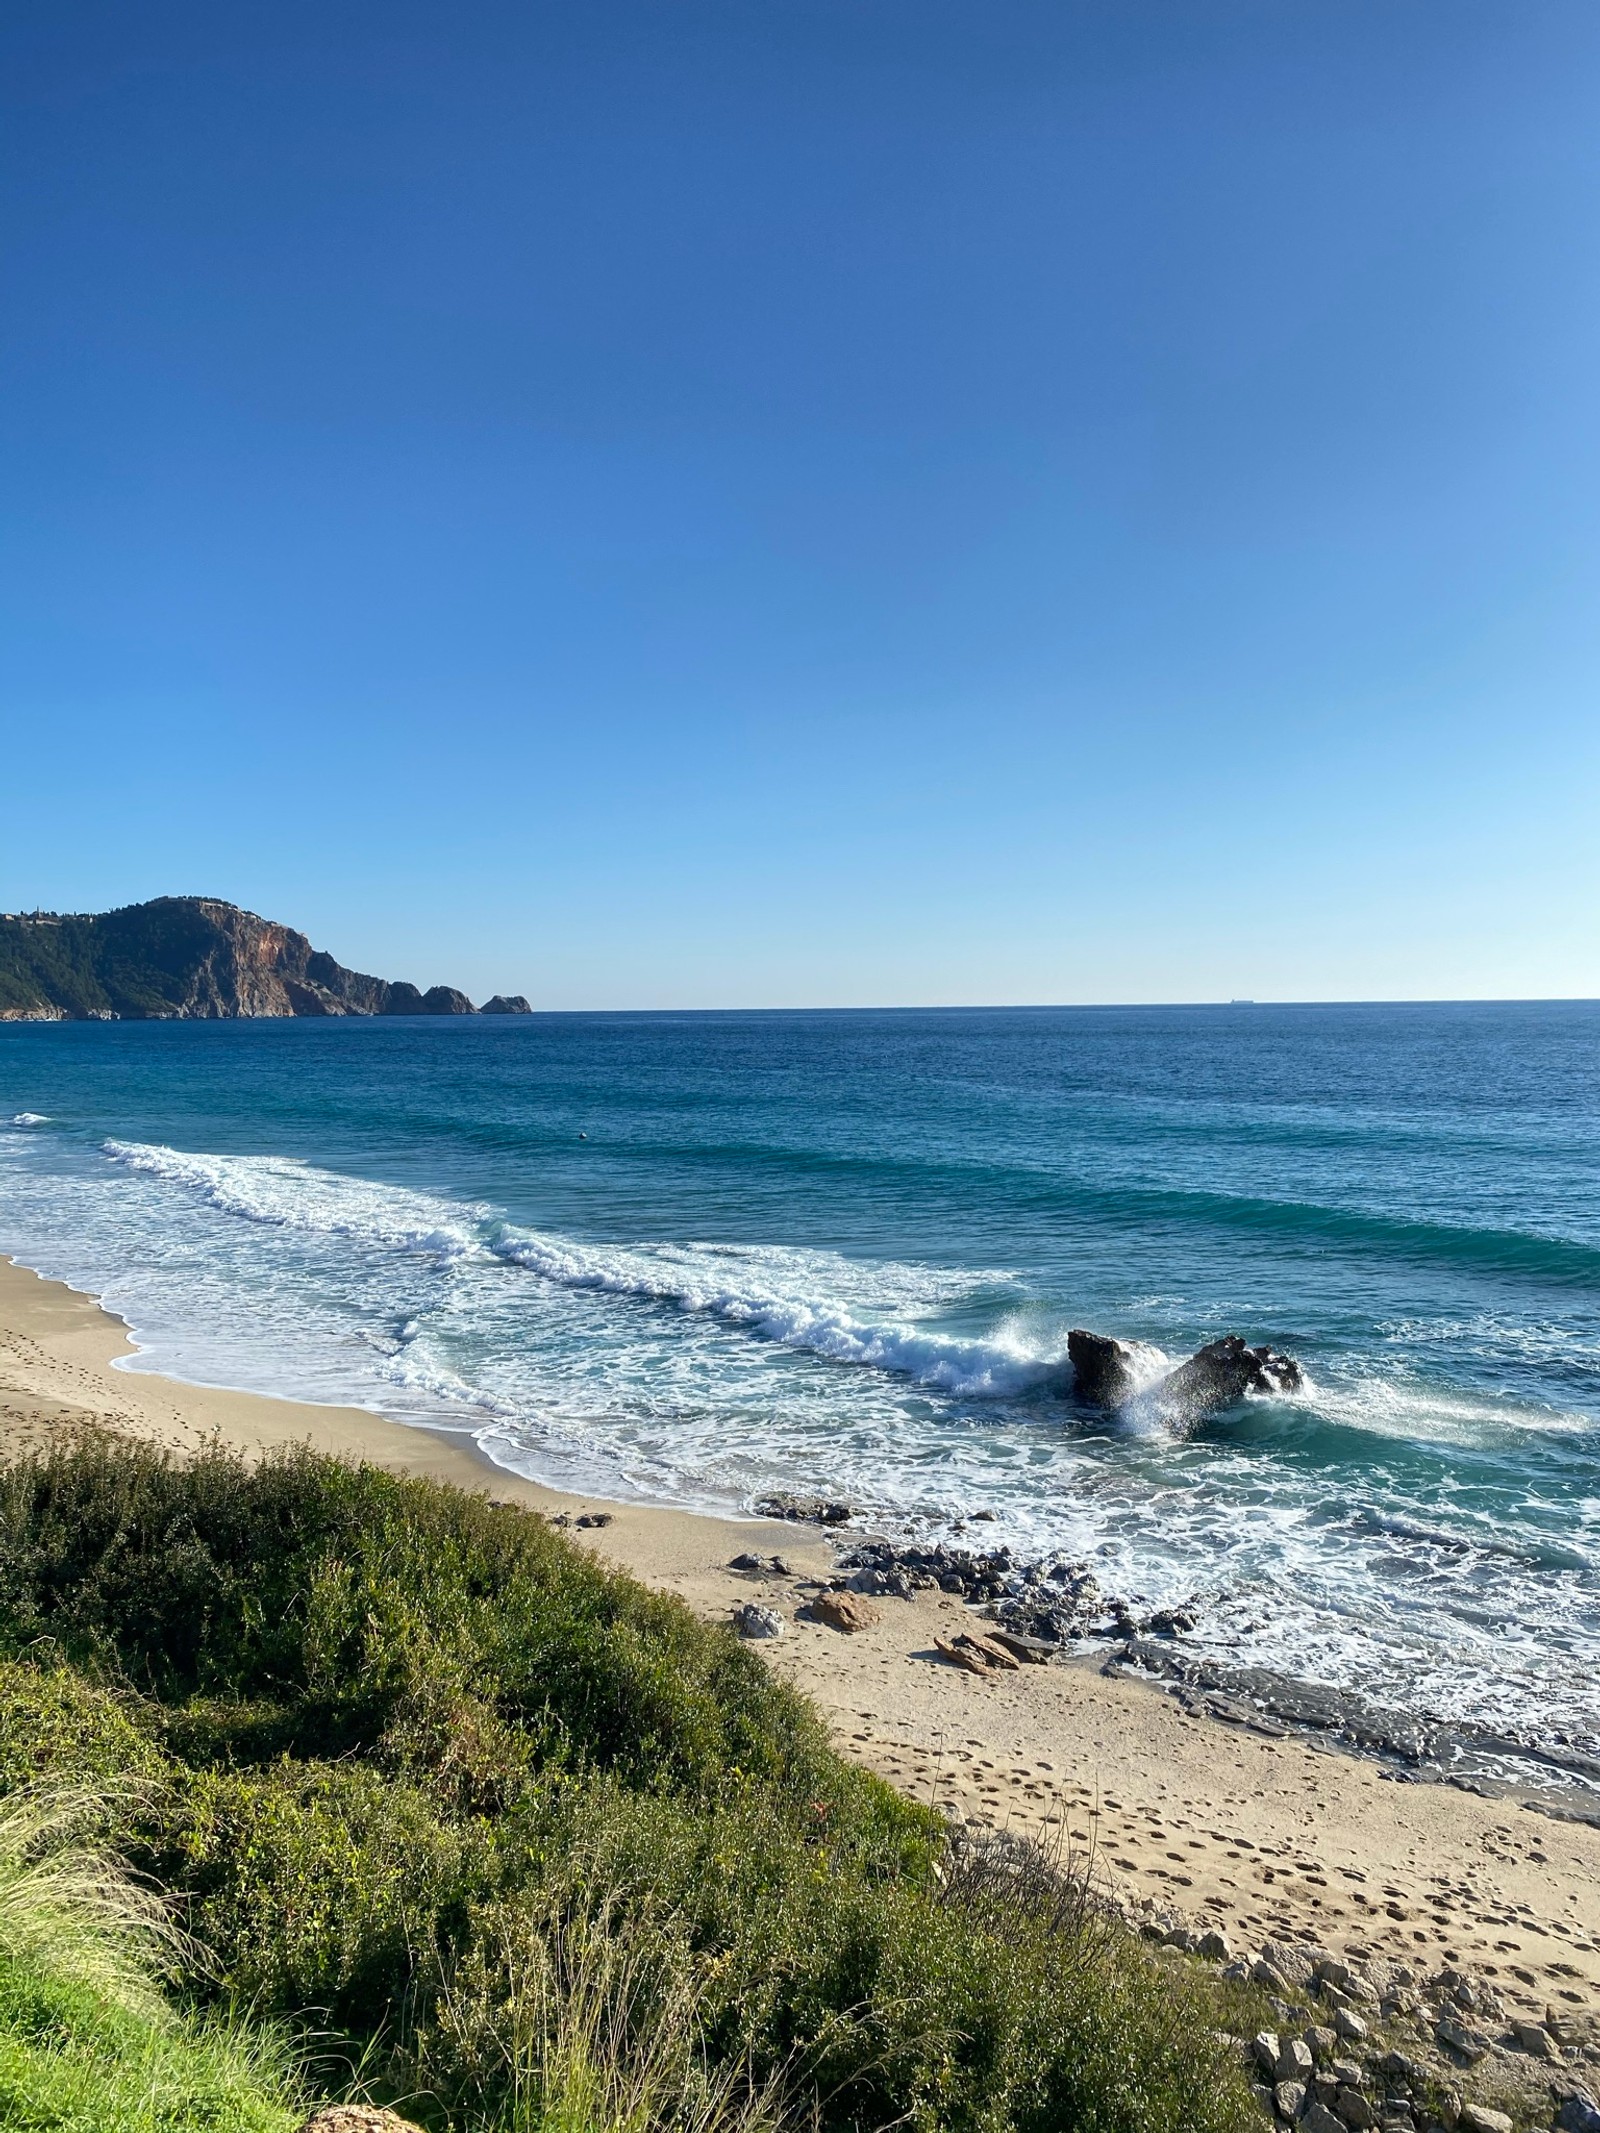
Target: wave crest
{"x": 796, "y": 1299}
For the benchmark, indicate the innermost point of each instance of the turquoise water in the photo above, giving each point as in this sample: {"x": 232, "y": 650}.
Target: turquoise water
{"x": 842, "y": 1251}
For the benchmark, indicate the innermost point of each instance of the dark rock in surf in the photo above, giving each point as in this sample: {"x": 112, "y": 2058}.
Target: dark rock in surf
{"x": 1220, "y": 1375}
{"x": 1102, "y": 1368}
{"x": 1217, "y": 1377}
{"x": 806, "y": 1510}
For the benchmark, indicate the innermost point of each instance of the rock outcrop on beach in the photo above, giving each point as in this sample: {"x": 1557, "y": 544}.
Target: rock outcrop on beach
{"x": 1216, "y": 1377}
{"x": 191, "y": 958}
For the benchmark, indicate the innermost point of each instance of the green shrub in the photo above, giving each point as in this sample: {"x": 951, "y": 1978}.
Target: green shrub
{"x": 542, "y": 1848}
{"x": 52, "y": 1719}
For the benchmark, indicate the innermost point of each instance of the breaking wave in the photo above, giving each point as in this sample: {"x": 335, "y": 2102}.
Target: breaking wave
{"x": 797, "y": 1299}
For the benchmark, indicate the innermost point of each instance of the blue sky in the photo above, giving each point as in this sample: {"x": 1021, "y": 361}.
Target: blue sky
{"x": 762, "y": 503}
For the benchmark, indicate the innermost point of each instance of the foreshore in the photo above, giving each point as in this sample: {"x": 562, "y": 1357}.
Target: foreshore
{"x": 1265, "y": 1839}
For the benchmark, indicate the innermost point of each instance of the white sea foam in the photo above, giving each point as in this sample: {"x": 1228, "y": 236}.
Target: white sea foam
{"x": 29, "y": 1118}
{"x": 739, "y": 1289}
{"x": 289, "y": 1194}
{"x": 777, "y": 1294}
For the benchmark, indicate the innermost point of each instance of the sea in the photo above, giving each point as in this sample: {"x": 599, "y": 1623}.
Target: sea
{"x": 695, "y": 1258}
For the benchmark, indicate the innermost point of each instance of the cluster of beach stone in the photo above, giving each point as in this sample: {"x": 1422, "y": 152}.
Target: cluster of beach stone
{"x": 1053, "y": 1601}
{"x": 1380, "y": 2046}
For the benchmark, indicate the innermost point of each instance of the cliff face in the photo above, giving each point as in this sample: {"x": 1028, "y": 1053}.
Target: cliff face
{"x": 187, "y": 958}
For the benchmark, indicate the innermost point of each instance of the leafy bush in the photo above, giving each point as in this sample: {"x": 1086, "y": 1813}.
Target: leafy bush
{"x": 545, "y": 1850}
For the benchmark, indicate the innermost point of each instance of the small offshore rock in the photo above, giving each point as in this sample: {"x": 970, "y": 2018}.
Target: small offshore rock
{"x": 1219, "y": 1375}
{"x": 846, "y": 1611}
{"x": 1102, "y": 1369}
{"x": 757, "y": 1621}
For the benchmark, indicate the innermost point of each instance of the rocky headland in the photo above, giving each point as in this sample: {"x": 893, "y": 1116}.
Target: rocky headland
{"x": 192, "y": 958}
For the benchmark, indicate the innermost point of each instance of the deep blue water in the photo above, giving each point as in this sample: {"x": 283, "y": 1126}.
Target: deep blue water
{"x": 842, "y": 1251}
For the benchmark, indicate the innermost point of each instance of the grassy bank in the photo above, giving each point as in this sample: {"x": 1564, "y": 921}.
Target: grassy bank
{"x": 529, "y": 1845}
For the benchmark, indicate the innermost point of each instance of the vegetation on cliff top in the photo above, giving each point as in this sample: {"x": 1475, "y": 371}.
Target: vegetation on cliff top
{"x": 527, "y": 1844}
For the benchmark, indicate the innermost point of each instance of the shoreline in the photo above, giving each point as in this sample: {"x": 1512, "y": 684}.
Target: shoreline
{"x": 1263, "y": 1836}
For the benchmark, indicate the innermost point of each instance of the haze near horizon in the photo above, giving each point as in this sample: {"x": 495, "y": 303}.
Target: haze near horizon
{"x": 714, "y": 506}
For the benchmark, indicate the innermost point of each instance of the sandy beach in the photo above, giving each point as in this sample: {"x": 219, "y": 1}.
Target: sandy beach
{"x": 1266, "y": 1839}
